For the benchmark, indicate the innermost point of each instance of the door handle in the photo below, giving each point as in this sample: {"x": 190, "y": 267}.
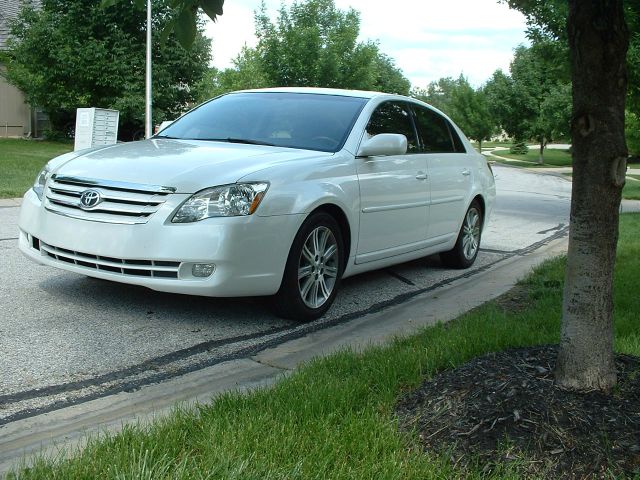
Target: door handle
{"x": 466, "y": 172}
{"x": 421, "y": 176}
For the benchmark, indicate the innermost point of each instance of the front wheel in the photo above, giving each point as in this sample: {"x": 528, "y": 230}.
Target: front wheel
{"x": 465, "y": 251}
{"x": 313, "y": 270}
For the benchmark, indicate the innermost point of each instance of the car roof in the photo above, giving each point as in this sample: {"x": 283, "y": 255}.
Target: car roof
{"x": 319, "y": 91}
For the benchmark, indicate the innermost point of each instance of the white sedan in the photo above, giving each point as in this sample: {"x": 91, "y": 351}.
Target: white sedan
{"x": 279, "y": 192}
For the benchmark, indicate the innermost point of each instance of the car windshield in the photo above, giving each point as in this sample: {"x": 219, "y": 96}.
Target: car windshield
{"x": 295, "y": 120}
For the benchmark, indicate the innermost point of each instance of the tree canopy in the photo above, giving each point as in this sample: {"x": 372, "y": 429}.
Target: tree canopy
{"x": 547, "y": 23}
{"x": 312, "y": 43}
{"x": 181, "y": 16}
{"x": 72, "y": 54}
{"x": 534, "y": 100}
{"x": 466, "y": 106}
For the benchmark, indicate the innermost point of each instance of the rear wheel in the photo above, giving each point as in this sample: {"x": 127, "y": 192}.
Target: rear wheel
{"x": 465, "y": 251}
{"x": 313, "y": 270}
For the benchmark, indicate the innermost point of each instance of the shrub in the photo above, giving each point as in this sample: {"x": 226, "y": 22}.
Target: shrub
{"x": 519, "y": 148}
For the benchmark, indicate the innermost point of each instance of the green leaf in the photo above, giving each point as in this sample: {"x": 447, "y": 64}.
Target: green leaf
{"x": 186, "y": 27}
{"x": 212, "y": 8}
{"x": 108, "y": 3}
{"x": 140, "y": 4}
{"x": 166, "y": 31}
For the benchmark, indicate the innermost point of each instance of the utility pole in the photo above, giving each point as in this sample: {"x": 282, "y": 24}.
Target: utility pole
{"x": 148, "y": 129}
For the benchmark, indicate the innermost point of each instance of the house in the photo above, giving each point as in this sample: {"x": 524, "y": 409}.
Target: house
{"x": 17, "y": 118}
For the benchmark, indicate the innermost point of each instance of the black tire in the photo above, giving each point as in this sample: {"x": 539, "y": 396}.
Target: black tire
{"x": 465, "y": 251}
{"x": 291, "y": 301}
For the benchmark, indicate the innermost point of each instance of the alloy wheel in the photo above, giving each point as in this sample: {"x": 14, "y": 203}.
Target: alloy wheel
{"x": 471, "y": 233}
{"x": 318, "y": 267}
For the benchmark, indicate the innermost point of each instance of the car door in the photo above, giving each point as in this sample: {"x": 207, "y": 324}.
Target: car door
{"x": 449, "y": 170}
{"x": 394, "y": 190}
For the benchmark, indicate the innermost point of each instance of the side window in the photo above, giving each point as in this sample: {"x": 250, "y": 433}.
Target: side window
{"x": 434, "y": 132}
{"x": 393, "y": 117}
{"x": 457, "y": 143}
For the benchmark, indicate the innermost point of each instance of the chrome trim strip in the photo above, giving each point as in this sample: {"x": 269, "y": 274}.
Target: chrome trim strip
{"x": 111, "y": 195}
{"x": 89, "y": 219}
{"x": 113, "y": 184}
{"x": 63, "y": 201}
{"x": 110, "y": 208}
{"x": 400, "y": 206}
{"x": 440, "y": 201}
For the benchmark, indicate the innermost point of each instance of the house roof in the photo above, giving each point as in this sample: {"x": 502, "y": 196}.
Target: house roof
{"x": 10, "y": 10}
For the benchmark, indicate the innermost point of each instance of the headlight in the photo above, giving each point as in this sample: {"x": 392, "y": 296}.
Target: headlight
{"x": 41, "y": 180}
{"x": 225, "y": 201}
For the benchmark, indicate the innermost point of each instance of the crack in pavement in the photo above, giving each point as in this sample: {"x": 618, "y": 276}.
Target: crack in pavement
{"x": 397, "y": 276}
{"x": 282, "y": 335}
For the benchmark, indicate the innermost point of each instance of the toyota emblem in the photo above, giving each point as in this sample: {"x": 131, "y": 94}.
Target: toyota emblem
{"x": 90, "y": 198}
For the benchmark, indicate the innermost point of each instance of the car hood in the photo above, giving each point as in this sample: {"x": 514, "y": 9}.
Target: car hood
{"x": 187, "y": 165}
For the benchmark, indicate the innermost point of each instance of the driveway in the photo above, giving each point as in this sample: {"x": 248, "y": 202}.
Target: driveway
{"x": 67, "y": 339}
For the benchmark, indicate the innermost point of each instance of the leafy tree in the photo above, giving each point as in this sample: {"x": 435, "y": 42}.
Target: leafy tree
{"x": 181, "y": 16}
{"x": 555, "y": 112}
{"x": 246, "y": 73}
{"x": 632, "y": 133}
{"x": 598, "y": 40}
{"x": 632, "y": 16}
{"x": 312, "y": 43}
{"x": 470, "y": 110}
{"x": 467, "y": 107}
{"x": 547, "y": 21}
{"x": 505, "y": 106}
{"x": 73, "y": 54}
{"x": 438, "y": 93}
{"x": 388, "y": 77}
{"x": 534, "y": 102}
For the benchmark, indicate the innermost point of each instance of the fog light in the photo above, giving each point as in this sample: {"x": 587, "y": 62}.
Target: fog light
{"x": 202, "y": 270}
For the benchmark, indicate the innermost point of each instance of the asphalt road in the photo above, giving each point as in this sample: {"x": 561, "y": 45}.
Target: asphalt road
{"x": 66, "y": 338}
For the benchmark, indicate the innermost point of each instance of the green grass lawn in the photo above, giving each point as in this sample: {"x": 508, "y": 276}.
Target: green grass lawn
{"x": 21, "y": 160}
{"x": 552, "y": 158}
{"x": 492, "y": 144}
{"x": 631, "y": 190}
{"x": 334, "y": 417}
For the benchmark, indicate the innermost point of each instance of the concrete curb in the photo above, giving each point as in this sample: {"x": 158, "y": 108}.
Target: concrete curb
{"x": 10, "y": 202}
{"x": 59, "y": 432}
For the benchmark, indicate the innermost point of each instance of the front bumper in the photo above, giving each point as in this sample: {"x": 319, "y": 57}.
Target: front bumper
{"x": 249, "y": 253}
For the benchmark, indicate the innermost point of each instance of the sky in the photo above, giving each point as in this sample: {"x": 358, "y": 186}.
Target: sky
{"x": 427, "y": 39}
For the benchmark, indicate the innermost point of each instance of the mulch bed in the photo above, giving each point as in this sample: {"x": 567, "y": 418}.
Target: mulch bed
{"x": 504, "y": 407}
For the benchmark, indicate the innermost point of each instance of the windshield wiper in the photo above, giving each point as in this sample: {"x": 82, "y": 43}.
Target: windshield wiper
{"x": 239, "y": 140}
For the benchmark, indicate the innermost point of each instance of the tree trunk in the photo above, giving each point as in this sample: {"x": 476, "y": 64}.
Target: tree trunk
{"x": 541, "y": 156}
{"x": 598, "y": 40}
{"x": 479, "y": 146}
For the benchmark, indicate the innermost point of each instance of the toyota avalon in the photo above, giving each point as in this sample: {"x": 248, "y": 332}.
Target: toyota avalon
{"x": 280, "y": 192}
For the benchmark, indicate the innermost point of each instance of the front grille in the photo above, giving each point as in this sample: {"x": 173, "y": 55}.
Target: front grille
{"x": 128, "y": 267}
{"x": 120, "y": 202}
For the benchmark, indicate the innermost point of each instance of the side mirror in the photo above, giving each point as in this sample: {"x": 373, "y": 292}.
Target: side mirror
{"x": 383, "y": 144}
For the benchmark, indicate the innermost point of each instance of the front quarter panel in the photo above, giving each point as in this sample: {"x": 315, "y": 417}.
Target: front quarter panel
{"x": 297, "y": 189}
